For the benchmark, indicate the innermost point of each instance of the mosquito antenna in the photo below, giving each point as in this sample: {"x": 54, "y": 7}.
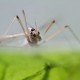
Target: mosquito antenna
{"x": 9, "y": 27}
{"x": 26, "y": 34}
{"x": 49, "y": 26}
{"x": 75, "y": 36}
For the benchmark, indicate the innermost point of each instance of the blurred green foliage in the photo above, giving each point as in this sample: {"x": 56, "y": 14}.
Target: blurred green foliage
{"x": 43, "y": 65}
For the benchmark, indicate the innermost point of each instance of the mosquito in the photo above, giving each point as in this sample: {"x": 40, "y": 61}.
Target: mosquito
{"x": 31, "y": 34}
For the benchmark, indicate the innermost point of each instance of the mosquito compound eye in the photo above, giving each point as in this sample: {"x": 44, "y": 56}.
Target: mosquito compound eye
{"x": 32, "y": 29}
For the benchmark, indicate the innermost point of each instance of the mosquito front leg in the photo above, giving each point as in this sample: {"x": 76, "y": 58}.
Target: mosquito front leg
{"x": 26, "y": 34}
{"x": 26, "y": 24}
{"x": 58, "y": 32}
{"x": 73, "y": 33}
{"x": 25, "y": 21}
{"x": 10, "y": 26}
{"x": 49, "y": 26}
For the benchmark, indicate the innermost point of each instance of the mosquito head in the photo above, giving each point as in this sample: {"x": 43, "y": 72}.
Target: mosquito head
{"x": 35, "y": 34}
{"x": 32, "y": 29}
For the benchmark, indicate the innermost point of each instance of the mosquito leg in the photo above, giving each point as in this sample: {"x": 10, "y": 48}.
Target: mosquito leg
{"x": 55, "y": 34}
{"x": 26, "y": 24}
{"x": 75, "y": 36}
{"x": 26, "y": 34}
{"x": 25, "y": 21}
{"x": 20, "y": 23}
{"x": 49, "y": 26}
{"x": 10, "y": 26}
{"x": 61, "y": 29}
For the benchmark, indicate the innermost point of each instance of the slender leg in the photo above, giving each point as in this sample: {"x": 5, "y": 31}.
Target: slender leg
{"x": 25, "y": 21}
{"x": 10, "y": 26}
{"x": 26, "y": 24}
{"x": 58, "y": 32}
{"x": 49, "y": 26}
{"x": 75, "y": 36}
{"x": 26, "y": 34}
